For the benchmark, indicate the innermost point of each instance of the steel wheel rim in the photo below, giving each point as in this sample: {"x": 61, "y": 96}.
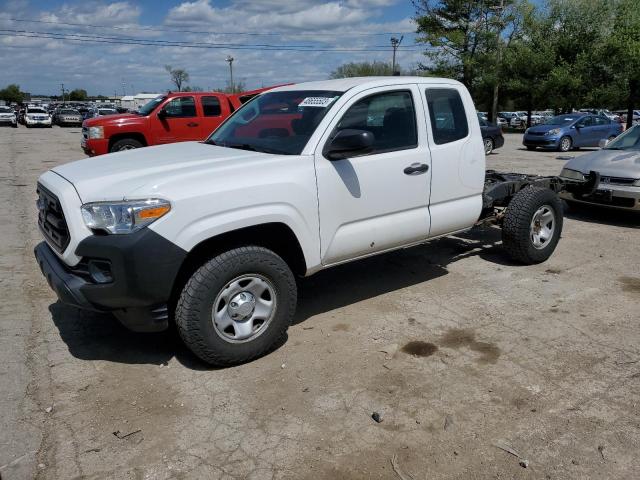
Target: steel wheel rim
{"x": 244, "y": 308}
{"x": 566, "y": 144}
{"x": 488, "y": 146}
{"x": 543, "y": 225}
{"x": 126, "y": 147}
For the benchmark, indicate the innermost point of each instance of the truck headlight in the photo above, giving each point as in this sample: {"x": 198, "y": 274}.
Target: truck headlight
{"x": 123, "y": 217}
{"x": 96, "y": 132}
{"x": 553, "y": 131}
{"x": 572, "y": 174}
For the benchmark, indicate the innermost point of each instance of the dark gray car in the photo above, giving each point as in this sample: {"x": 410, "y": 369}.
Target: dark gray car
{"x": 618, "y": 164}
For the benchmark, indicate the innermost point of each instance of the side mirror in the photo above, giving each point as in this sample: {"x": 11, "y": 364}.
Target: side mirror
{"x": 603, "y": 142}
{"x": 162, "y": 114}
{"x": 349, "y": 141}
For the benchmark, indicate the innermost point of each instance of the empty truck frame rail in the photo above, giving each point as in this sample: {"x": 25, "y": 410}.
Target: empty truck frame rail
{"x": 300, "y": 178}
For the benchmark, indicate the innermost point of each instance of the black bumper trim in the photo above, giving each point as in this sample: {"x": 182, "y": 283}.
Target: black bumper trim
{"x": 144, "y": 266}
{"x": 67, "y": 286}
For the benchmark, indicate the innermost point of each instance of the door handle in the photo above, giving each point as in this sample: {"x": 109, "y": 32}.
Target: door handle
{"x": 192, "y": 124}
{"x": 416, "y": 169}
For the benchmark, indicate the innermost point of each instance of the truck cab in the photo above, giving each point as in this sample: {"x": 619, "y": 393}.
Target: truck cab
{"x": 299, "y": 179}
{"x": 170, "y": 118}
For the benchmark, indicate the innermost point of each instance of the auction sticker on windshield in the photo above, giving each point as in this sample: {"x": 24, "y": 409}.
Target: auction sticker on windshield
{"x": 321, "y": 102}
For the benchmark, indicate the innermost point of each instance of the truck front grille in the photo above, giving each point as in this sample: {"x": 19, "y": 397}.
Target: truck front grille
{"x": 51, "y": 220}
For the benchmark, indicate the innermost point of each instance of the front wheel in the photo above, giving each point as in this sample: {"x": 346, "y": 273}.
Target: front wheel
{"x": 532, "y": 225}
{"x": 125, "y": 144}
{"x": 237, "y": 306}
{"x": 565, "y": 144}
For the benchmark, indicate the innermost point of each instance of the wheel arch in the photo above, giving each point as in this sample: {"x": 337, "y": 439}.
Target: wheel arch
{"x": 121, "y": 136}
{"x": 275, "y": 236}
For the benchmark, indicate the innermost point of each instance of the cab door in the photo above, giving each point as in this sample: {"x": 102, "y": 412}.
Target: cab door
{"x": 585, "y": 132}
{"x": 379, "y": 200}
{"x": 176, "y": 121}
{"x": 215, "y": 109}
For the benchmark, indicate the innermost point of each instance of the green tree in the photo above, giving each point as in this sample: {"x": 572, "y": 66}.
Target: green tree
{"x": 178, "y": 76}
{"x": 11, "y": 93}
{"x": 362, "y": 69}
{"x": 622, "y": 50}
{"x": 78, "y": 95}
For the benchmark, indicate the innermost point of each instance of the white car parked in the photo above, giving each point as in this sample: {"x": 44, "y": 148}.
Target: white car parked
{"x": 8, "y": 116}
{"x": 37, "y": 117}
{"x": 299, "y": 179}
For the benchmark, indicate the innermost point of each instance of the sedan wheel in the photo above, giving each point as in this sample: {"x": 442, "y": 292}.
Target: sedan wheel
{"x": 488, "y": 146}
{"x": 565, "y": 144}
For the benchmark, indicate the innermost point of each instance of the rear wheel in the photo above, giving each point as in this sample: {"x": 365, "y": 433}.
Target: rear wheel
{"x": 532, "y": 225}
{"x": 565, "y": 144}
{"x": 237, "y": 306}
{"x": 488, "y": 145}
{"x": 125, "y": 144}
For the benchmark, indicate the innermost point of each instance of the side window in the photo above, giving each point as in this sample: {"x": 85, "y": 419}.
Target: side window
{"x": 585, "y": 122}
{"x": 211, "y": 106}
{"x": 447, "y": 114}
{"x": 602, "y": 121}
{"x": 181, "y": 107}
{"x": 390, "y": 116}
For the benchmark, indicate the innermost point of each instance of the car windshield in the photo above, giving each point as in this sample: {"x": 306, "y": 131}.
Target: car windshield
{"x": 276, "y": 122}
{"x": 629, "y": 140}
{"x": 562, "y": 120}
{"x": 5, "y": 110}
{"x": 106, "y": 111}
{"x": 148, "y": 107}
{"x": 37, "y": 110}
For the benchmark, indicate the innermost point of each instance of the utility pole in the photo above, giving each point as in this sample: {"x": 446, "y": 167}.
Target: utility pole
{"x": 230, "y": 60}
{"x": 62, "y": 88}
{"x": 395, "y": 43}
{"x": 496, "y": 86}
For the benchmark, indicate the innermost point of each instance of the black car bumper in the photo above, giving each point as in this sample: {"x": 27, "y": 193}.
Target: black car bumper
{"x": 131, "y": 275}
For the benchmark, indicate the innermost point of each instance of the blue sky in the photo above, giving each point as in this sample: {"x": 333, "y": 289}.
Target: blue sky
{"x": 39, "y": 65}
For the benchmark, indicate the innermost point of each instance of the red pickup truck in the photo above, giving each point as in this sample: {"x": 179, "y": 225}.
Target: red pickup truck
{"x": 170, "y": 118}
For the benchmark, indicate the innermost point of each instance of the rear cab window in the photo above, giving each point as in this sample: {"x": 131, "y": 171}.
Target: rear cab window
{"x": 211, "y": 106}
{"x": 447, "y": 115}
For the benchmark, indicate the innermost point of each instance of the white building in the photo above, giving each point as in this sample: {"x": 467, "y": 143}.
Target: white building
{"x": 134, "y": 102}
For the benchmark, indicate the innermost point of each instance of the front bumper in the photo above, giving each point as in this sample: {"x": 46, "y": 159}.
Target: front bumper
{"x": 124, "y": 274}
{"x": 541, "y": 141}
{"x": 609, "y": 195}
{"x": 8, "y": 121}
{"x": 95, "y": 146}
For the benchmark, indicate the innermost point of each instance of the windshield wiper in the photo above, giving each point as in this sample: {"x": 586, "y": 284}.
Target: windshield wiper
{"x": 241, "y": 146}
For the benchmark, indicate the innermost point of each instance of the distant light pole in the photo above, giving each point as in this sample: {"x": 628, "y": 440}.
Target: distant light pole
{"x": 395, "y": 43}
{"x": 496, "y": 86}
{"x": 230, "y": 60}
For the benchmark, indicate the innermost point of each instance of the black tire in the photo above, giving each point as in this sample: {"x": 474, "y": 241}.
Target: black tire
{"x": 195, "y": 306}
{"x": 15, "y": 126}
{"x": 125, "y": 144}
{"x": 488, "y": 145}
{"x": 530, "y": 147}
{"x": 518, "y": 229}
{"x": 566, "y": 144}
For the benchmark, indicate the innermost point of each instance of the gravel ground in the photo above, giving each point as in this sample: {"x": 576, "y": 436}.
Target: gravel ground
{"x": 464, "y": 355}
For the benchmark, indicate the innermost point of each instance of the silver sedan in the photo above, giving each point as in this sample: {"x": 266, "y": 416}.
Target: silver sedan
{"x": 618, "y": 164}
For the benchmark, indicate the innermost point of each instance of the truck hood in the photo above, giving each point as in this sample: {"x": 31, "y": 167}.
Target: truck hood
{"x": 610, "y": 163}
{"x": 115, "y": 120}
{"x": 145, "y": 172}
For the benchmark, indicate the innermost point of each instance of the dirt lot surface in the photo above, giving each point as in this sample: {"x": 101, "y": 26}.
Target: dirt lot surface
{"x": 464, "y": 355}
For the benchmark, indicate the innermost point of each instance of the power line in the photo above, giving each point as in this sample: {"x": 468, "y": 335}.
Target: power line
{"x": 84, "y": 38}
{"x": 159, "y": 29}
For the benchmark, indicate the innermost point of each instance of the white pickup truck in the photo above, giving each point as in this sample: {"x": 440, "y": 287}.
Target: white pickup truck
{"x": 304, "y": 177}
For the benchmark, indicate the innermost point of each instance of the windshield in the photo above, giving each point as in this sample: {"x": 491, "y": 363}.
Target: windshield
{"x": 5, "y": 110}
{"x": 106, "y": 111}
{"x": 276, "y": 122}
{"x": 148, "y": 107}
{"x": 563, "y": 120}
{"x": 629, "y": 140}
{"x": 37, "y": 110}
